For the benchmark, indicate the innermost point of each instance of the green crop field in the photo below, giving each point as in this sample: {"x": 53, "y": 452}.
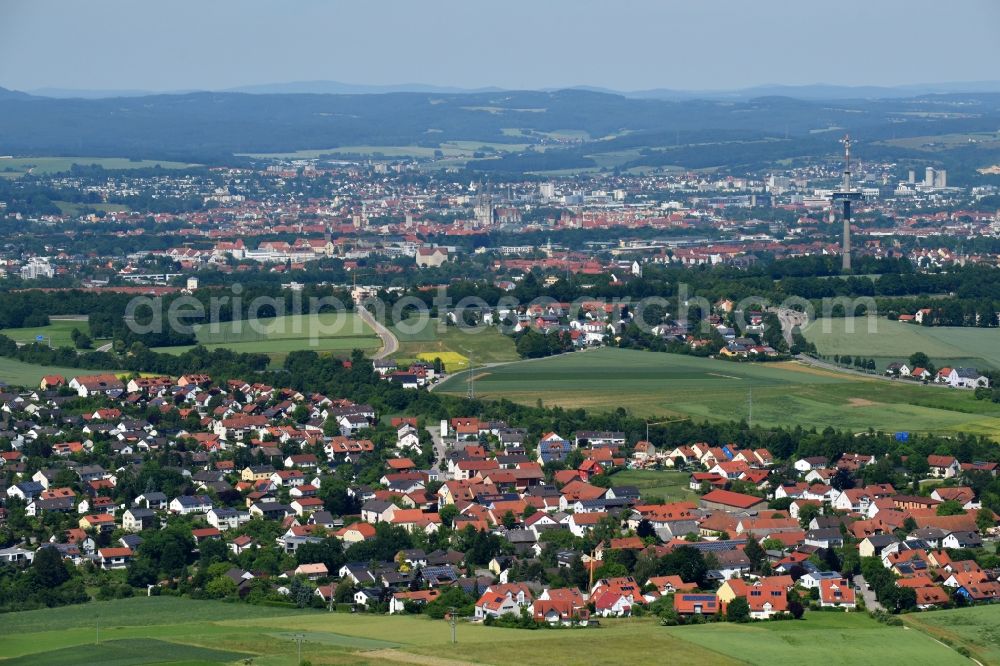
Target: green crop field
{"x": 887, "y": 341}
{"x": 71, "y": 208}
{"x": 59, "y": 330}
{"x": 484, "y": 344}
{"x": 940, "y": 142}
{"x": 46, "y": 165}
{"x": 836, "y": 638}
{"x": 128, "y": 652}
{"x": 974, "y": 628}
{"x": 665, "y": 484}
{"x": 671, "y": 385}
{"x": 17, "y": 373}
{"x": 327, "y": 332}
{"x": 166, "y": 630}
{"x": 451, "y": 150}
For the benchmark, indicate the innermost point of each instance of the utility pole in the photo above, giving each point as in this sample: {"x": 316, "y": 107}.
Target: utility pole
{"x": 590, "y": 565}
{"x": 472, "y": 378}
{"x": 452, "y": 615}
{"x": 471, "y": 393}
{"x": 750, "y": 406}
{"x": 98, "y": 618}
{"x": 298, "y": 639}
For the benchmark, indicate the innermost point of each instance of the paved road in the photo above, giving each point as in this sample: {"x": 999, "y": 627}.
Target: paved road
{"x": 487, "y": 366}
{"x": 464, "y": 373}
{"x": 390, "y": 345}
{"x": 789, "y": 320}
{"x": 440, "y": 448}
{"x": 809, "y": 360}
{"x": 871, "y": 603}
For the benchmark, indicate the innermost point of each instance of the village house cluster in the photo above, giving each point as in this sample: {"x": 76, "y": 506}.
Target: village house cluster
{"x": 765, "y": 529}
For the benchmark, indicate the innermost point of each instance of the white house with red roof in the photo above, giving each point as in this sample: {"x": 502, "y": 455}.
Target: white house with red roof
{"x": 499, "y": 600}
{"x": 836, "y": 593}
{"x": 943, "y": 467}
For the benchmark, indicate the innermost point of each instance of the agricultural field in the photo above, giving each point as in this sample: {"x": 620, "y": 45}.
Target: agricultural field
{"x": 454, "y": 345}
{"x": 666, "y": 484}
{"x": 889, "y": 341}
{"x": 166, "y": 630}
{"x": 58, "y": 330}
{"x": 18, "y": 166}
{"x": 17, "y": 373}
{"x": 976, "y": 629}
{"x": 71, "y": 208}
{"x": 450, "y": 150}
{"x": 660, "y": 385}
{"x": 129, "y": 651}
{"x": 940, "y": 142}
{"x": 845, "y": 638}
{"x": 327, "y": 332}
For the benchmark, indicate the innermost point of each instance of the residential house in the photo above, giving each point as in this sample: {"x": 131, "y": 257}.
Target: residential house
{"x": 696, "y": 603}
{"x": 499, "y": 600}
{"x": 114, "y": 558}
{"x": 836, "y": 593}
{"x": 943, "y": 467}
{"x": 189, "y": 504}
{"x": 137, "y": 519}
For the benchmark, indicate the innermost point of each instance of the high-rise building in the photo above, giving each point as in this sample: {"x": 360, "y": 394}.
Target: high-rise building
{"x": 778, "y": 184}
{"x": 37, "y": 268}
{"x": 940, "y": 178}
{"x": 912, "y": 179}
{"x": 929, "y": 177}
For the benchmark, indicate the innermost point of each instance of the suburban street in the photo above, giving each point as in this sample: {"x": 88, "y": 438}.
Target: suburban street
{"x": 440, "y": 448}
{"x": 871, "y": 603}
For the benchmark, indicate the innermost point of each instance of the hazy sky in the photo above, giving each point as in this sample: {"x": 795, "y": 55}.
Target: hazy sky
{"x": 620, "y": 44}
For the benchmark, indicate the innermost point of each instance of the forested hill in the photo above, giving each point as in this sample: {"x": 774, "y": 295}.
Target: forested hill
{"x": 210, "y": 126}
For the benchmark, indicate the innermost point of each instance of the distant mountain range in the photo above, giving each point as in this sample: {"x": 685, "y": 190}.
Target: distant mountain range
{"x": 6, "y": 94}
{"x": 515, "y": 132}
{"x": 817, "y": 91}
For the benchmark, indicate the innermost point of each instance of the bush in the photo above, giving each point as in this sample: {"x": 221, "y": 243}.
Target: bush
{"x": 277, "y": 604}
{"x": 886, "y": 618}
{"x": 524, "y": 620}
{"x": 738, "y": 610}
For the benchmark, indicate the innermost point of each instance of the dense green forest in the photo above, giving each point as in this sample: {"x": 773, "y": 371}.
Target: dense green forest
{"x": 210, "y": 128}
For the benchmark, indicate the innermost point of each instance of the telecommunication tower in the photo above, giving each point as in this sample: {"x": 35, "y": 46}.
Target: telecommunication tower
{"x": 846, "y": 195}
